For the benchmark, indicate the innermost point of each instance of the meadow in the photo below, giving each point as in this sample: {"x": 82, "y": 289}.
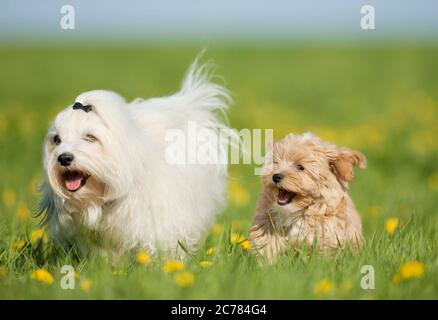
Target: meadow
{"x": 382, "y": 100}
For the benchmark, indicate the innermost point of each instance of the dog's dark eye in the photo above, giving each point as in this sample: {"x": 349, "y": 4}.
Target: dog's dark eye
{"x": 90, "y": 138}
{"x": 300, "y": 167}
{"x": 56, "y": 139}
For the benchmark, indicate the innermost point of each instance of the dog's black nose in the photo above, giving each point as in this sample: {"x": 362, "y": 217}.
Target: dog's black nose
{"x": 277, "y": 177}
{"x": 65, "y": 159}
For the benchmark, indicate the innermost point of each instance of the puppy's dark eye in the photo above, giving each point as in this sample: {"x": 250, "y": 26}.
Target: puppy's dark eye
{"x": 56, "y": 139}
{"x": 275, "y": 162}
{"x": 300, "y": 167}
{"x": 90, "y": 138}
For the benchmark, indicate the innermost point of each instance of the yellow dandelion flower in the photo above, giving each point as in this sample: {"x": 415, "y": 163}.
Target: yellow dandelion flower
{"x": 37, "y": 235}
{"x": 9, "y": 198}
{"x": 237, "y": 194}
{"x": 246, "y": 245}
{"x": 143, "y": 258}
{"x": 345, "y": 286}
{"x": 23, "y": 212}
{"x": 3, "y": 272}
{"x": 174, "y": 265}
{"x": 42, "y": 275}
{"x": 236, "y": 238}
{"x": 391, "y": 225}
{"x": 217, "y": 229}
{"x": 413, "y": 269}
{"x": 19, "y": 245}
{"x": 85, "y": 284}
{"x": 184, "y": 279}
{"x": 325, "y": 286}
{"x": 409, "y": 270}
{"x": 205, "y": 264}
{"x": 432, "y": 181}
{"x": 211, "y": 251}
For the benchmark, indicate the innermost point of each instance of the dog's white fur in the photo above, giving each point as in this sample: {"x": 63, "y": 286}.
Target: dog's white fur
{"x": 133, "y": 198}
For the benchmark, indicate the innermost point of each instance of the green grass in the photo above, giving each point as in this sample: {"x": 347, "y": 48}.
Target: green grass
{"x": 382, "y": 101}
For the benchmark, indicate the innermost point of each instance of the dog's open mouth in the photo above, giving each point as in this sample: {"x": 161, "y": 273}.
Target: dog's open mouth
{"x": 74, "y": 180}
{"x": 284, "y": 197}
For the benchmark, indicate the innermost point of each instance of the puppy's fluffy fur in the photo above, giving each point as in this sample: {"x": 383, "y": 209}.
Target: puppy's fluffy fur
{"x": 119, "y": 192}
{"x": 305, "y": 197}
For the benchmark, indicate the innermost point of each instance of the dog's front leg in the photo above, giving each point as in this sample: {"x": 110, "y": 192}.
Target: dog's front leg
{"x": 265, "y": 238}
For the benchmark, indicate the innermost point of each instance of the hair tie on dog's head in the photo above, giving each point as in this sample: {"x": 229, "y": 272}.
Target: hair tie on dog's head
{"x": 79, "y": 105}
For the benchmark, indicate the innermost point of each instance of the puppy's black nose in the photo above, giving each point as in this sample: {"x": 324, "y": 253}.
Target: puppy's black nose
{"x": 65, "y": 159}
{"x": 277, "y": 177}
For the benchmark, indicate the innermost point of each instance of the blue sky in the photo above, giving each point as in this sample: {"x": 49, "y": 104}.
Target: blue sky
{"x": 224, "y": 19}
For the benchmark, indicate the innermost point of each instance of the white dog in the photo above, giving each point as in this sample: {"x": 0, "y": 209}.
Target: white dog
{"x": 108, "y": 184}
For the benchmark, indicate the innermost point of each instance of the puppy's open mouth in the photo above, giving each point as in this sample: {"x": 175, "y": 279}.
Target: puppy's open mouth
{"x": 284, "y": 197}
{"x": 74, "y": 180}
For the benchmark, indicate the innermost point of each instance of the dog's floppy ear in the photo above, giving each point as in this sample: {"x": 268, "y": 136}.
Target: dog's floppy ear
{"x": 46, "y": 207}
{"x": 344, "y": 161}
{"x": 49, "y": 209}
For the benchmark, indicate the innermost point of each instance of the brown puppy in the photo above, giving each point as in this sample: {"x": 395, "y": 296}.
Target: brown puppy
{"x": 305, "y": 197}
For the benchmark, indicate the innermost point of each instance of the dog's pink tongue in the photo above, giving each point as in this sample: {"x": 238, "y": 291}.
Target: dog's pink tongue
{"x": 284, "y": 197}
{"x": 73, "y": 181}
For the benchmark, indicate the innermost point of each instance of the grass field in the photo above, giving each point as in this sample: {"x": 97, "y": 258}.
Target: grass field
{"x": 382, "y": 101}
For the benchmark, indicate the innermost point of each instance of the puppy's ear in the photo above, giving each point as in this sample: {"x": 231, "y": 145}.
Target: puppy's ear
{"x": 344, "y": 161}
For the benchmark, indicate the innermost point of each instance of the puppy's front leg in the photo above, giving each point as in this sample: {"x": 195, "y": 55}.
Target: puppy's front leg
{"x": 265, "y": 238}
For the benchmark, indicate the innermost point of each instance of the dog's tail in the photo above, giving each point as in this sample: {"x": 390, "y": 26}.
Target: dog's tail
{"x": 200, "y": 103}
{"x": 199, "y": 100}
{"x": 206, "y": 102}
{"x": 203, "y": 100}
